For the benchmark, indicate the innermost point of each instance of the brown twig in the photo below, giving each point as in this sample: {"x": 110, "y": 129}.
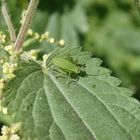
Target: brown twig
{"x": 8, "y": 21}
{"x": 26, "y": 24}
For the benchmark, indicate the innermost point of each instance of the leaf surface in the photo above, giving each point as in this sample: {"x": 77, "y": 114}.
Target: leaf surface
{"x": 53, "y": 106}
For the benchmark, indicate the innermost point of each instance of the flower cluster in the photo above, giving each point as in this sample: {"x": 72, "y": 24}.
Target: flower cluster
{"x": 2, "y": 37}
{"x": 9, "y": 49}
{"x": 30, "y": 55}
{"x": 45, "y": 57}
{"x": 45, "y": 37}
{"x": 8, "y": 69}
{"x": 2, "y": 84}
{"x": 2, "y": 109}
{"x": 7, "y": 65}
{"x": 23, "y": 16}
{"x": 9, "y": 62}
{"x": 10, "y": 133}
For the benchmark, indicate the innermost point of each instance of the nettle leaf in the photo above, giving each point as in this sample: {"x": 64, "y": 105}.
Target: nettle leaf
{"x": 54, "y": 106}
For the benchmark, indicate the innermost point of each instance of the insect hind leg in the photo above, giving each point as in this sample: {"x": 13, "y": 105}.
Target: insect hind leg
{"x": 67, "y": 75}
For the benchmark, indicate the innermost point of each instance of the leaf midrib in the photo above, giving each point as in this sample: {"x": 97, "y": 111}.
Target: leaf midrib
{"x": 86, "y": 125}
{"x": 121, "y": 125}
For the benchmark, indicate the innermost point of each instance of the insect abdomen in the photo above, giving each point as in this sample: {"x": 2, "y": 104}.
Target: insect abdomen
{"x": 66, "y": 65}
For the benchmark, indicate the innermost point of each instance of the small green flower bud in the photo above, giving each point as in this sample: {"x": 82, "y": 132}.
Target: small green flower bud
{"x": 51, "y": 40}
{"x": 61, "y": 42}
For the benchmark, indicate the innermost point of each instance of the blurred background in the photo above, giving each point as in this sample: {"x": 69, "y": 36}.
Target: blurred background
{"x": 109, "y": 29}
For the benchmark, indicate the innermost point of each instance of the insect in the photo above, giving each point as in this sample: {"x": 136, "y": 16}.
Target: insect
{"x": 66, "y": 65}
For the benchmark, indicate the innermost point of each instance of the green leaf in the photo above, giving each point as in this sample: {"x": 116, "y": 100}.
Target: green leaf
{"x": 68, "y": 25}
{"x": 92, "y": 108}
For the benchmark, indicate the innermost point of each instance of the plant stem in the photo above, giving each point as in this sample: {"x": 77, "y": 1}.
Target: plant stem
{"x": 26, "y": 24}
{"x": 8, "y": 21}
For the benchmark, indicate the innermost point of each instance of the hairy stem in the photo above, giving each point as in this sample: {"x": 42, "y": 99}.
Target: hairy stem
{"x": 8, "y": 21}
{"x": 26, "y": 24}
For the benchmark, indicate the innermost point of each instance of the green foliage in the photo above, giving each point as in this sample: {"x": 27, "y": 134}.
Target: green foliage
{"x": 114, "y": 36}
{"x": 70, "y": 95}
{"x": 94, "y": 107}
{"x": 67, "y": 25}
